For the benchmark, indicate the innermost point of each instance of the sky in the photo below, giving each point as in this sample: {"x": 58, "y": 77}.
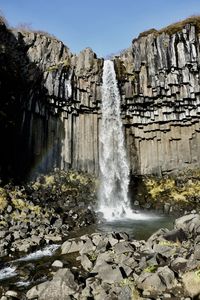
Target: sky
{"x": 107, "y": 26}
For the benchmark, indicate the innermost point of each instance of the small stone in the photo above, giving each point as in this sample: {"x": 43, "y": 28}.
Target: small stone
{"x": 57, "y": 264}
{"x": 166, "y": 295}
{"x": 146, "y": 293}
{"x": 12, "y": 294}
{"x": 53, "y": 238}
{"x": 9, "y": 209}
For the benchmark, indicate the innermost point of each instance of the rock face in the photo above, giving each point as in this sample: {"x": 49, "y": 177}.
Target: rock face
{"x": 50, "y": 103}
{"x": 159, "y": 80}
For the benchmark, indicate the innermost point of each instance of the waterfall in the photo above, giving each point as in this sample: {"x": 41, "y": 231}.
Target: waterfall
{"x": 113, "y": 193}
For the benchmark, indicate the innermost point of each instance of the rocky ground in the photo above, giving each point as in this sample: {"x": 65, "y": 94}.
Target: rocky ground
{"x": 105, "y": 266}
{"x": 111, "y": 266}
{"x": 45, "y": 211}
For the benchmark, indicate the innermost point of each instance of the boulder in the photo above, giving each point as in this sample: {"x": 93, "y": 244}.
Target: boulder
{"x": 179, "y": 264}
{"x": 71, "y": 246}
{"x": 176, "y": 235}
{"x": 60, "y": 287}
{"x": 87, "y": 247}
{"x": 123, "y": 247}
{"x": 189, "y": 223}
{"x": 191, "y": 282}
{"x": 109, "y": 273}
{"x": 159, "y": 281}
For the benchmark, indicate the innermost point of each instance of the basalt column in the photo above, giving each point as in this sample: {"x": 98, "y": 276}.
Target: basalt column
{"x": 160, "y": 87}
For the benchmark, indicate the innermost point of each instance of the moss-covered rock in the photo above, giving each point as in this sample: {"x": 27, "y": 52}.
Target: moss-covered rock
{"x": 178, "y": 192}
{"x": 3, "y": 199}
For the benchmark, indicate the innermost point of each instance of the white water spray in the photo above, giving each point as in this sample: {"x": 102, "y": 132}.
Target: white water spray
{"x": 113, "y": 194}
{"x": 47, "y": 251}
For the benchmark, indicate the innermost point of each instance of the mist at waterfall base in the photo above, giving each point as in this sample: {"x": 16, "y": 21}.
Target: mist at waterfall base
{"x": 114, "y": 202}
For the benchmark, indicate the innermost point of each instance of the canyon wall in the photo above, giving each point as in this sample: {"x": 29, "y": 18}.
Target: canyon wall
{"x": 50, "y": 100}
{"x": 50, "y": 103}
{"x": 160, "y": 87}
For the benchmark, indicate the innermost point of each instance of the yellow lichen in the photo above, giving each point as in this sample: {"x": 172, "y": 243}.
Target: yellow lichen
{"x": 170, "y": 243}
{"x": 167, "y": 188}
{"x": 3, "y": 199}
{"x": 18, "y": 203}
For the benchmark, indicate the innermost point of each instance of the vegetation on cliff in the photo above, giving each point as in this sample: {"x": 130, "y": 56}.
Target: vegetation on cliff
{"x": 175, "y": 27}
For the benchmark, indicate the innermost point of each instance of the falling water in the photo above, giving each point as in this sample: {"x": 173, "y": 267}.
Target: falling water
{"x": 113, "y": 194}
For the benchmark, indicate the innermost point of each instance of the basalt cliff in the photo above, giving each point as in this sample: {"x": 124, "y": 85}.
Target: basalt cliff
{"x": 50, "y": 103}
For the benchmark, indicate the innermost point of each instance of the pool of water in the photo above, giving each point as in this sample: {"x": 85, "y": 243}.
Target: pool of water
{"x": 139, "y": 226}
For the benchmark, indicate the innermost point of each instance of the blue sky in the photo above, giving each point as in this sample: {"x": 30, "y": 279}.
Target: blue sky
{"x": 106, "y": 26}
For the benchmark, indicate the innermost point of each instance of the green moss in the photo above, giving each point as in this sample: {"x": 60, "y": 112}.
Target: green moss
{"x": 151, "y": 269}
{"x": 93, "y": 256}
